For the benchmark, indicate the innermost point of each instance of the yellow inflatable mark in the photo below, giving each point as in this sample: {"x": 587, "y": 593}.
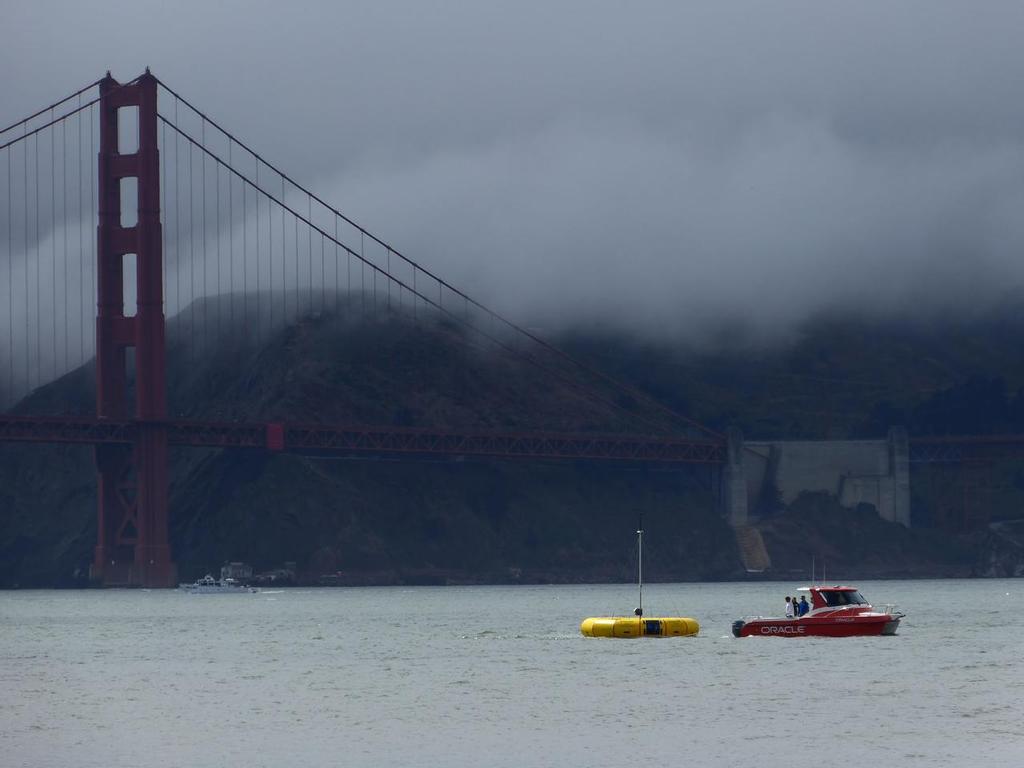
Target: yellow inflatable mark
{"x": 636, "y": 626}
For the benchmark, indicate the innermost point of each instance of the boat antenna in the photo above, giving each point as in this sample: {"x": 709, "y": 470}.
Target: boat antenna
{"x": 812, "y": 570}
{"x": 640, "y": 563}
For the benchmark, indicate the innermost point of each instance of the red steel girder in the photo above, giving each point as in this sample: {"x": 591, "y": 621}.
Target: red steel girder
{"x": 502, "y": 445}
{"x": 68, "y": 429}
{"x": 397, "y": 440}
{"x": 954, "y": 449}
{"x": 369, "y": 440}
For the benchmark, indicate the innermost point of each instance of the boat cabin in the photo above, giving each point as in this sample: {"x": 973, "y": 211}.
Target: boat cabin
{"x": 833, "y": 597}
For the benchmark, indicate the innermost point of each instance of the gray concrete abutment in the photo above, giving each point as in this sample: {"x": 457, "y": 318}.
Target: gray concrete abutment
{"x": 875, "y": 472}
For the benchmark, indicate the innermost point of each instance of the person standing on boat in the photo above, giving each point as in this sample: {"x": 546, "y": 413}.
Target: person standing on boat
{"x": 804, "y": 605}
{"x": 790, "y": 613}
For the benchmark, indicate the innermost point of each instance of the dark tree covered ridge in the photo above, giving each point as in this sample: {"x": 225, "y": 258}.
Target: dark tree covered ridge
{"x": 399, "y": 522}
{"x": 840, "y": 377}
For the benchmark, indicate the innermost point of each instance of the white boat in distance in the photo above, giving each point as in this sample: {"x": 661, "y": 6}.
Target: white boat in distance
{"x": 210, "y": 586}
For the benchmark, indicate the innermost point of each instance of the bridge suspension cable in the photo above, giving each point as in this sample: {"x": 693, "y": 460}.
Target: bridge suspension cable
{"x": 51, "y": 108}
{"x": 47, "y": 217}
{"x": 376, "y": 270}
{"x": 387, "y": 251}
{"x": 49, "y": 162}
{"x": 47, "y": 242}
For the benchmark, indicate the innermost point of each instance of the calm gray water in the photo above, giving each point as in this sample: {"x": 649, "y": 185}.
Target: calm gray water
{"x": 500, "y": 676}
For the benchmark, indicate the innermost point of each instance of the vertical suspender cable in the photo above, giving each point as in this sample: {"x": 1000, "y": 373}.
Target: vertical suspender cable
{"x": 163, "y": 208}
{"x": 10, "y": 277}
{"x": 53, "y": 240}
{"x": 81, "y": 241}
{"x": 53, "y": 243}
{"x": 309, "y": 257}
{"x": 28, "y": 271}
{"x": 309, "y": 232}
{"x": 284, "y": 262}
{"x": 298, "y": 281}
{"x": 179, "y": 271}
{"x": 93, "y": 245}
{"x": 245, "y": 256}
{"x": 64, "y": 190}
{"x": 39, "y": 279}
{"x": 286, "y": 238}
{"x": 231, "y": 245}
{"x": 216, "y": 230}
{"x": 24, "y": 197}
{"x": 205, "y": 295}
{"x": 259, "y": 237}
{"x": 270, "y": 260}
{"x": 335, "y": 248}
{"x": 191, "y": 261}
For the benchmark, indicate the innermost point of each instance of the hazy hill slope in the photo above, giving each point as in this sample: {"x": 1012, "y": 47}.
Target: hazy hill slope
{"x": 838, "y": 377}
{"x": 387, "y": 522}
{"x": 379, "y": 521}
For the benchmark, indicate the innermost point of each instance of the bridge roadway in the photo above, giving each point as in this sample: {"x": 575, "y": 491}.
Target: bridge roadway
{"x": 359, "y": 440}
{"x": 955, "y": 449}
{"x": 365, "y": 440}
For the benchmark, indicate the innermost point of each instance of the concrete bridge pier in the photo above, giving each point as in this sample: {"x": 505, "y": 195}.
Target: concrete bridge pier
{"x": 734, "y": 479}
{"x": 875, "y": 472}
{"x": 899, "y": 470}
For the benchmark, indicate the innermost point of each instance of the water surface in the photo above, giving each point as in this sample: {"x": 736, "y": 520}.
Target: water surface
{"x": 500, "y": 676}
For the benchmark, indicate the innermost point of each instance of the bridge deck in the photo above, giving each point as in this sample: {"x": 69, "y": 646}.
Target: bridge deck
{"x": 368, "y": 440}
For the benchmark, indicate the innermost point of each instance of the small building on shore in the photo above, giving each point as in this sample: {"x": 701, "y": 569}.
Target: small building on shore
{"x": 237, "y": 571}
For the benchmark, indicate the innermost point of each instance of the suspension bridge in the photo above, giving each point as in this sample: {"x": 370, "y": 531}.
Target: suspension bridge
{"x": 127, "y": 208}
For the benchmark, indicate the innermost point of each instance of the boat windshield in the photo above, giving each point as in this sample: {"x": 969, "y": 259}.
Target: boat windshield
{"x": 836, "y": 598}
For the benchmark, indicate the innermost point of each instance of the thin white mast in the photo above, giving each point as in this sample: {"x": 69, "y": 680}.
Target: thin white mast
{"x": 640, "y": 564}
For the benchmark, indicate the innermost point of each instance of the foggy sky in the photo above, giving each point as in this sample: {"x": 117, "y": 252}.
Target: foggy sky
{"x": 658, "y": 166}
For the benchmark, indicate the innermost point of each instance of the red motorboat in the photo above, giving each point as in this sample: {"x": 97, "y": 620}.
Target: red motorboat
{"x": 835, "y": 612}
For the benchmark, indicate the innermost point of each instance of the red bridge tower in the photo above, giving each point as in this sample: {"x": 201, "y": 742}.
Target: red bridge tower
{"x": 132, "y": 541}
